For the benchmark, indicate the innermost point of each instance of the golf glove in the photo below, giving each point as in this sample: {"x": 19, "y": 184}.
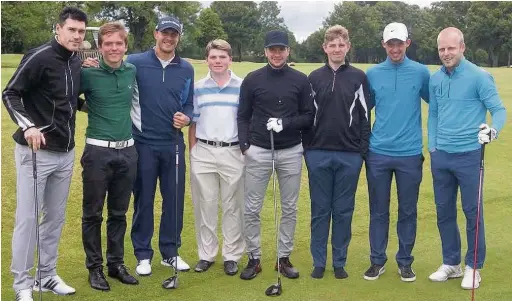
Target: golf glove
{"x": 487, "y": 134}
{"x": 275, "y": 124}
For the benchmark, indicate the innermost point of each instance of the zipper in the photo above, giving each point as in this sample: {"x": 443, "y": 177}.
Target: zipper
{"x": 333, "y": 80}
{"x": 66, "y": 73}
{"x": 396, "y": 76}
{"x": 163, "y": 74}
{"x": 69, "y": 102}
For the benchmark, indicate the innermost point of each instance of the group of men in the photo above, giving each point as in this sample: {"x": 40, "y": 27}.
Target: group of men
{"x": 137, "y": 108}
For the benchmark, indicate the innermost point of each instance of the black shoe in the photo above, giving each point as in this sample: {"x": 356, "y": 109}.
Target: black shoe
{"x": 230, "y": 267}
{"x": 120, "y": 273}
{"x": 251, "y": 270}
{"x": 318, "y": 272}
{"x": 97, "y": 280}
{"x": 287, "y": 268}
{"x": 406, "y": 273}
{"x": 340, "y": 273}
{"x": 203, "y": 266}
{"x": 374, "y": 271}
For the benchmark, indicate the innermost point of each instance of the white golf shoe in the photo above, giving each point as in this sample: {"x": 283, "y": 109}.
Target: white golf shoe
{"x": 182, "y": 265}
{"x": 55, "y": 285}
{"x": 467, "y": 281}
{"x": 143, "y": 268}
{"x": 446, "y": 272}
{"x": 24, "y": 295}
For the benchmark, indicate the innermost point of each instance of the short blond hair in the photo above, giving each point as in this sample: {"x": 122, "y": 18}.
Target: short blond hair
{"x": 336, "y": 31}
{"x": 218, "y": 44}
{"x": 112, "y": 27}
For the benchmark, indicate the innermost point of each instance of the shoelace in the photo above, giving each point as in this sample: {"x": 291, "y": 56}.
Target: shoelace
{"x": 406, "y": 270}
{"x": 285, "y": 262}
{"x": 374, "y": 269}
{"x": 252, "y": 263}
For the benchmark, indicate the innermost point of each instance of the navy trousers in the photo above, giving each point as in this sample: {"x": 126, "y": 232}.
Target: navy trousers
{"x": 379, "y": 174}
{"x": 333, "y": 178}
{"x": 156, "y": 163}
{"x": 451, "y": 171}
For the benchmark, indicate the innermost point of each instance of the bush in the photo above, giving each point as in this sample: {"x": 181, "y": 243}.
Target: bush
{"x": 481, "y": 57}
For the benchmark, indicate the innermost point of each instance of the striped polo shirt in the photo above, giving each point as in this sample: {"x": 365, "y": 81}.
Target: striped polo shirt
{"x": 215, "y": 109}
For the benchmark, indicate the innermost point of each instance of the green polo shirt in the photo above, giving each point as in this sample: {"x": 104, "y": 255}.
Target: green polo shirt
{"x": 108, "y": 94}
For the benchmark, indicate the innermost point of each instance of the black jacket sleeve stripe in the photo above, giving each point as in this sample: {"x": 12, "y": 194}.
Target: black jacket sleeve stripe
{"x": 23, "y": 77}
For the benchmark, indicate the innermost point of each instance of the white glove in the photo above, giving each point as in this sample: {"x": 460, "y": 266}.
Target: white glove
{"x": 487, "y": 134}
{"x": 275, "y": 124}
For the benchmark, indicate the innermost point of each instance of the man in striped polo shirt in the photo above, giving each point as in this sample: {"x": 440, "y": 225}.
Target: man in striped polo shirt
{"x": 216, "y": 161}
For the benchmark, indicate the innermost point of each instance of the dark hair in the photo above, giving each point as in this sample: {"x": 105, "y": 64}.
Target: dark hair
{"x": 72, "y": 13}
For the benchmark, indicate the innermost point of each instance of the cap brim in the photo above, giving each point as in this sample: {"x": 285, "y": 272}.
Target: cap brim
{"x": 167, "y": 27}
{"x": 396, "y": 38}
{"x": 276, "y": 44}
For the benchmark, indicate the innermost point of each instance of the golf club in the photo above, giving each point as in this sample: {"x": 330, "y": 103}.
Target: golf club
{"x": 275, "y": 289}
{"x": 172, "y": 282}
{"x": 480, "y": 186}
{"x": 36, "y": 215}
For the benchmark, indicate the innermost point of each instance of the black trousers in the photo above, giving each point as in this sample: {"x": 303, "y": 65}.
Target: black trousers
{"x": 106, "y": 172}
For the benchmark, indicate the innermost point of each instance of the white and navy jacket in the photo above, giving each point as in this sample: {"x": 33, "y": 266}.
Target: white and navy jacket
{"x": 43, "y": 93}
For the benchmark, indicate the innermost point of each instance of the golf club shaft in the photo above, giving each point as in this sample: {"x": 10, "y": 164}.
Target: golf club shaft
{"x": 36, "y": 214}
{"x": 176, "y": 203}
{"x": 479, "y": 201}
{"x": 275, "y": 201}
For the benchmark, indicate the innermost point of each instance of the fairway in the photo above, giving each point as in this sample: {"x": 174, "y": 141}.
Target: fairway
{"x": 215, "y": 285}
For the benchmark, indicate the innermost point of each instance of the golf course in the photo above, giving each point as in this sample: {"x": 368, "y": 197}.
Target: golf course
{"x": 215, "y": 285}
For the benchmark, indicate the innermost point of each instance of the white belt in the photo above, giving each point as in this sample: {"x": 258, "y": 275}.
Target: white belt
{"x": 110, "y": 144}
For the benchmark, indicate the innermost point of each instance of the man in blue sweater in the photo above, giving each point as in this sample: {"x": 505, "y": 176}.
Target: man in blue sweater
{"x": 163, "y": 105}
{"x": 461, "y": 93}
{"x": 397, "y": 86}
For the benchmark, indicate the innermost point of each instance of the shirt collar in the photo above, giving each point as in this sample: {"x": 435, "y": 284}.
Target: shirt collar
{"x": 61, "y": 50}
{"x": 458, "y": 69}
{"x": 403, "y": 62}
{"x": 232, "y": 76}
{"x": 281, "y": 70}
{"x": 104, "y": 66}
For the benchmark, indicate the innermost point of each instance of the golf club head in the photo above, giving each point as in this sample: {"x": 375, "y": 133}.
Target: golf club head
{"x": 170, "y": 283}
{"x": 274, "y": 290}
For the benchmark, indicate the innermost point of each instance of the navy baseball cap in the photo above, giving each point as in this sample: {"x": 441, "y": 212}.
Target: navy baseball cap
{"x": 276, "y": 38}
{"x": 169, "y": 22}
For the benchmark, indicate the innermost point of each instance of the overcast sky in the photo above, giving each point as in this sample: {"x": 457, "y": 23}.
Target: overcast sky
{"x": 305, "y": 17}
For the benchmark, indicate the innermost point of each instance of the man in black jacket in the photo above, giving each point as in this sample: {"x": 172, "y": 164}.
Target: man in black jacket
{"x": 335, "y": 148}
{"x": 273, "y": 98}
{"x": 42, "y": 99}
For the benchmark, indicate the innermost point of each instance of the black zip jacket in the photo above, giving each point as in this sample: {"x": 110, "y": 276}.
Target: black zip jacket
{"x": 281, "y": 93}
{"x": 343, "y": 105}
{"x": 43, "y": 93}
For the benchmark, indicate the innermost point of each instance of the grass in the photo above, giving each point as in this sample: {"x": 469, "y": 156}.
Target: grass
{"x": 214, "y": 285}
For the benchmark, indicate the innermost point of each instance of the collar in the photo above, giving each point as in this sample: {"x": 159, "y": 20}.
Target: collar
{"x": 403, "y": 62}
{"x": 232, "y": 76}
{"x": 106, "y": 67}
{"x": 175, "y": 60}
{"x": 61, "y": 50}
{"x": 281, "y": 70}
{"x": 458, "y": 69}
{"x": 340, "y": 69}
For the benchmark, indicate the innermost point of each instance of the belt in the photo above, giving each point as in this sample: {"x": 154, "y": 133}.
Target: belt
{"x": 110, "y": 144}
{"x": 219, "y": 143}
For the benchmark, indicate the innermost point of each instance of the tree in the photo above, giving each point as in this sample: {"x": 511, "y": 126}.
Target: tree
{"x": 210, "y": 27}
{"x": 240, "y": 20}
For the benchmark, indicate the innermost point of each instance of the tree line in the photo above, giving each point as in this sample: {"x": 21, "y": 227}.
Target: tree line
{"x": 487, "y": 27}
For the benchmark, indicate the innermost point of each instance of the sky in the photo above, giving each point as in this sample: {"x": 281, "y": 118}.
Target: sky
{"x": 305, "y": 17}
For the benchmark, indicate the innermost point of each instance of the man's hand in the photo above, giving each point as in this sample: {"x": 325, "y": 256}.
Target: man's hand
{"x": 34, "y": 138}
{"x": 487, "y": 134}
{"x": 91, "y": 62}
{"x": 180, "y": 120}
{"x": 275, "y": 124}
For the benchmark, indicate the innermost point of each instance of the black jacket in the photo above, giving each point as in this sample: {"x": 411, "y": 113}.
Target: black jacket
{"x": 282, "y": 93}
{"x": 343, "y": 105}
{"x": 43, "y": 93}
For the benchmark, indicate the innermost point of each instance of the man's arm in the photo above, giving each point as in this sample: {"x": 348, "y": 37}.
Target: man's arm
{"x": 26, "y": 76}
{"x": 306, "y": 116}
{"x": 365, "y": 109}
{"x": 425, "y": 79}
{"x": 490, "y": 98}
{"x": 432, "y": 119}
{"x": 244, "y": 114}
{"x": 192, "y": 140}
{"x": 188, "y": 107}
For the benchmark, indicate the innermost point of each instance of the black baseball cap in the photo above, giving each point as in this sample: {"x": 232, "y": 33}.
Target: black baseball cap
{"x": 276, "y": 38}
{"x": 169, "y": 22}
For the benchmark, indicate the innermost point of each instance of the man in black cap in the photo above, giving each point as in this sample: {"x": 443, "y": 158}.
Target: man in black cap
{"x": 273, "y": 98}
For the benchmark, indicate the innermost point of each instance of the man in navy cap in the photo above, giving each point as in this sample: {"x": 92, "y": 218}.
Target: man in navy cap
{"x": 273, "y": 98}
{"x": 162, "y": 106}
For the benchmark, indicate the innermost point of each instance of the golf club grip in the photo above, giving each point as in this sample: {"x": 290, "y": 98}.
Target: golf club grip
{"x": 482, "y": 156}
{"x": 34, "y": 165}
{"x": 272, "y": 143}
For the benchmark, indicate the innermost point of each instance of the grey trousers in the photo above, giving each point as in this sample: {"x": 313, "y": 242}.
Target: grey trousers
{"x": 54, "y": 171}
{"x": 258, "y": 170}
{"x": 217, "y": 173}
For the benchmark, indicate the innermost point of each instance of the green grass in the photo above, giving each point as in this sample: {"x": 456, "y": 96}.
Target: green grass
{"x": 214, "y": 285}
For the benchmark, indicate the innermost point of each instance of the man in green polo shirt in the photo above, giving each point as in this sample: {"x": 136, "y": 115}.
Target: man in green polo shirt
{"x": 109, "y": 160}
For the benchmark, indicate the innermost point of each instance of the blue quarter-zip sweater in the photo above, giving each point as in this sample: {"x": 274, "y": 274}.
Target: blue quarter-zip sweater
{"x": 458, "y": 105}
{"x": 160, "y": 93}
{"x": 396, "y": 90}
